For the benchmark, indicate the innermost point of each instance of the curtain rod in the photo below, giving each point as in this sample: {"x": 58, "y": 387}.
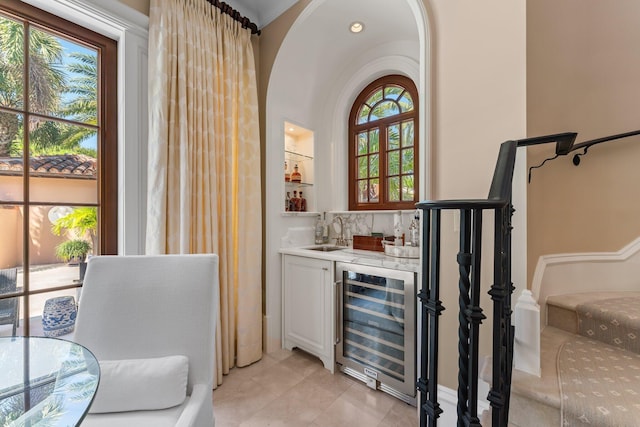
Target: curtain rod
{"x": 225, "y": 8}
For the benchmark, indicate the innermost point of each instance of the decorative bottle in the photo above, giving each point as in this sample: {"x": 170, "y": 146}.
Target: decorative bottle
{"x": 287, "y": 202}
{"x": 287, "y": 176}
{"x": 325, "y": 229}
{"x": 319, "y": 230}
{"x": 296, "y": 176}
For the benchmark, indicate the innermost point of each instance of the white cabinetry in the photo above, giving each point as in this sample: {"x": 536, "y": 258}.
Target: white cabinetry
{"x": 308, "y": 296}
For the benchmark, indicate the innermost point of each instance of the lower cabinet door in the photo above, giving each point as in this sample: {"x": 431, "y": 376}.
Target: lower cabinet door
{"x": 308, "y": 309}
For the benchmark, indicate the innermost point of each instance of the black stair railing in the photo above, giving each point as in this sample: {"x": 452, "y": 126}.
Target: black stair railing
{"x": 470, "y": 314}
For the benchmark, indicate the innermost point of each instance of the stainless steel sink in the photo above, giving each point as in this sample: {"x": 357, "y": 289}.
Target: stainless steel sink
{"x": 326, "y": 248}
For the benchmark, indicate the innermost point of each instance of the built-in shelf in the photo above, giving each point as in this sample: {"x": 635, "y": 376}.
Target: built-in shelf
{"x": 298, "y": 151}
{"x": 292, "y": 155}
{"x": 307, "y": 213}
{"x": 290, "y": 184}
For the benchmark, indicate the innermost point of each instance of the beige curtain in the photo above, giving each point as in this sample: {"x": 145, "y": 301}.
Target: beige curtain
{"x": 204, "y": 161}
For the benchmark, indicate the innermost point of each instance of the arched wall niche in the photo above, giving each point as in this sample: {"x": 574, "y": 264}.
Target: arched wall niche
{"x": 318, "y": 71}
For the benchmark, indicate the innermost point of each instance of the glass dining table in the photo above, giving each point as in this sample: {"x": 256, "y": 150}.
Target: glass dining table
{"x": 45, "y": 382}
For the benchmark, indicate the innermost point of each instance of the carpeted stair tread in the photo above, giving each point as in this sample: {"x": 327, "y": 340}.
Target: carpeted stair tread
{"x": 561, "y": 309}
{"x": 544, "y": 389}
{"x": 571, "y": 301}
{"x": 614, "y": 321}
{"x": 599, "y": 383}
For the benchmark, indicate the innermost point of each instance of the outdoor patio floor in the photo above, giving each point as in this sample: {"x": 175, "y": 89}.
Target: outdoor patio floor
{"x": 43, "y": 277}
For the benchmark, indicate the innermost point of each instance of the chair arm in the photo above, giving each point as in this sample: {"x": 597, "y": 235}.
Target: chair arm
{"x": 193, "y": 414}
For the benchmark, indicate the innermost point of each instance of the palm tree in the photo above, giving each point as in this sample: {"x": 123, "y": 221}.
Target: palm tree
{"x": 46, "y": 76}
{"x": 84, "y": 106}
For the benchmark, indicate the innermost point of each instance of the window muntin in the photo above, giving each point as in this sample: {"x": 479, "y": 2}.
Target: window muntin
{"x": 383, "y": 160}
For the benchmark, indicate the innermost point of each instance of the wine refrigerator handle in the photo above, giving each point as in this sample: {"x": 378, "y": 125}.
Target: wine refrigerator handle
{"x": 338, "y": 310}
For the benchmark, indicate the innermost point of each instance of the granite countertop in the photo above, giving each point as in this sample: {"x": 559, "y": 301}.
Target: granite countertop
{"x": 357, "y": 256}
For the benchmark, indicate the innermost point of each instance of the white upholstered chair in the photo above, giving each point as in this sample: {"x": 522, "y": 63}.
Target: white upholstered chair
{"x": 140, "y": 316}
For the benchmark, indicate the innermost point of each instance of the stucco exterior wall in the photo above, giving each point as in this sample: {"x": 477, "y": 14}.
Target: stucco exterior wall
{"x": 42, "y": 241}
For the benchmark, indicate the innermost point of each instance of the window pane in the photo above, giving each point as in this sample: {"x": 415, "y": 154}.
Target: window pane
{"x": 63, "y": 78}
{"x": 393, "y": 135}
{"x": 54, "y": 312}
{"x": 393, "y": 188}
{"x": 406, "y": 103}
{"x": 384, "y": 109}
{"x": 407, "y": 133}
{"x": 374, "y": 188}
{"x": 47, "y": 77}
{"x": 363, "y": 191}
{"x": 11, "y": 148}
{"x": 62, "y": 151}
{"x": 363, "y": 171}
{"x": 377, "y": 96}
{"x": 11, "y": 227}
{"x": 407, "y": 188}
{"x": 363, "y": 116}
{"x": 393, "y": 161}
{"x": 374, "y": 141}
{"x": 407, "y": 160}
{"x": 362, "y": 143}
{"x": 374, "y": 165}
{"x": 393, "y": 92}
{"x": 11, "y": 63}
{"x": 61, "y": 238}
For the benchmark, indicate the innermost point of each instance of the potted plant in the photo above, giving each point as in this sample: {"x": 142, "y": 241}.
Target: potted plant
{"x": 74, "y": 251}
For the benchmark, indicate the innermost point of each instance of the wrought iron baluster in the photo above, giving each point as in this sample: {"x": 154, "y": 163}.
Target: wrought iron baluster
{"x": 423, "y": 297}
{"x": 464, "y": 284}
{"x": 431, "y": 408}
{"x": 474, "y": 318}
{"x": 499, "y": 292}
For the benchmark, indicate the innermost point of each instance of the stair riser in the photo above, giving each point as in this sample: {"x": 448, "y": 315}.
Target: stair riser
{"x": 562, "y": 318}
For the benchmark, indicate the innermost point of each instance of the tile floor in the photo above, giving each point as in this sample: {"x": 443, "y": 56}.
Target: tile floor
{"x": 293, "y": 389}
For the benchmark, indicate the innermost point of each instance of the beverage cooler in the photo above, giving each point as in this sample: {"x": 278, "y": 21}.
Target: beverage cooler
{"x": 376, "y": 333}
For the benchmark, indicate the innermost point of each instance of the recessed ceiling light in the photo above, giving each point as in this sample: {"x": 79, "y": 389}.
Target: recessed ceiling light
{"x": 291, "y": 129}
{"x": 356, "y": 27}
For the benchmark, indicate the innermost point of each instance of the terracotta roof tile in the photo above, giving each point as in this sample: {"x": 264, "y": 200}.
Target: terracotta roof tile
{"x": 77, "y": 165}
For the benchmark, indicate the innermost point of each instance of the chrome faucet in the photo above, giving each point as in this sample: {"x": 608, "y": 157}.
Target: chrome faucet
{"x": 341, "y": 241}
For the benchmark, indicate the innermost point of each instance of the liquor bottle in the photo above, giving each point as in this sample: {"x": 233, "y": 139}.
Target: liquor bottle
{"x": 287, "y": 202}
{"x": 296, "y": 176}
{"x": 287, "y": 176}
{"x": 295, "y": 202}
{"x": 303, "y": 203}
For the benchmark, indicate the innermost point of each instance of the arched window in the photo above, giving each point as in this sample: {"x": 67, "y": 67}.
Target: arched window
{"x": 383, "y": 148}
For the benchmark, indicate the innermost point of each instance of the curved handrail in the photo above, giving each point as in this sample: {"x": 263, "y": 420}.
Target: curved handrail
{"x": 586, "y": 144}
{"x": 567, "y": 146}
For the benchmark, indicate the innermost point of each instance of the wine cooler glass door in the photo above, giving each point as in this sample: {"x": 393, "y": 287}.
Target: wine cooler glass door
{"x": 378, "y": 324}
